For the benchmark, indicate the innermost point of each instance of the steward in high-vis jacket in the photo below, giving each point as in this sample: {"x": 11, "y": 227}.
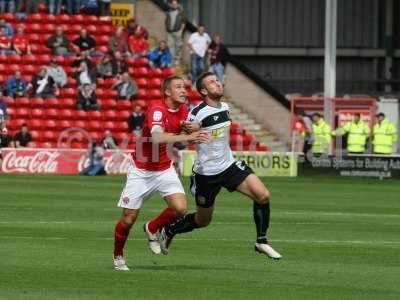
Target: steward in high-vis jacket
{"x": 321, "y": 134}
{"x": 385, "y": 135}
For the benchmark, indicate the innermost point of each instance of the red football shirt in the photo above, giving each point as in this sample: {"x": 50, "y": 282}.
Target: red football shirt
{"x": 158, "y": 114}
{"x": 21, "y": 42}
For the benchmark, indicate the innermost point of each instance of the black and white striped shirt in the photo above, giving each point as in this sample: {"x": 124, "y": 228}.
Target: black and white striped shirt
{"x": 216, "y": 156}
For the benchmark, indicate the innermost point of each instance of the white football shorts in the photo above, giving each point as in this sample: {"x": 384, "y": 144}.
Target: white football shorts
{"x": 141, "y": 184}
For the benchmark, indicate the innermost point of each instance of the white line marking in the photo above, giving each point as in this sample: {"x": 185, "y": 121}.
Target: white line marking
{"x": 352, "y": 242}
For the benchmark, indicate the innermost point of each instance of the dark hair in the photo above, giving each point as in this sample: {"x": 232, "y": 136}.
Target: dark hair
{"x": 167, "y": 82}
{"x": 317, "y": 115}
{"x": 380, "y": 114}
{"x": 199, "y": 81}
{"x": 357, "y": 115}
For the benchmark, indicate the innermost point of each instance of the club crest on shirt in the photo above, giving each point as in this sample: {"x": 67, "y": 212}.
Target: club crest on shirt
{"x": 125, "y": 200}
{"x": 157, "y": 115}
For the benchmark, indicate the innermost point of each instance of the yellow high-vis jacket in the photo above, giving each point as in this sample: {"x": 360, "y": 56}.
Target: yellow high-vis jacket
{"x": 385, "y": 136}
{"x": 321, "y": 137}
{"x": 357, "y": 135}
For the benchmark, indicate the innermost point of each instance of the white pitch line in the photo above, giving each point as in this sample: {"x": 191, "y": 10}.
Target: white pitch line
{"x": 352, "y": 242}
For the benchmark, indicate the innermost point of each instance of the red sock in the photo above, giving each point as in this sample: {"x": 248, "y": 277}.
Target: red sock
{"x": 121, "y": 234}
{"x": 166, "y": 217}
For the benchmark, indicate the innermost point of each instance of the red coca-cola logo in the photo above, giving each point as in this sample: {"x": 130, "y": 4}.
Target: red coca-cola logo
{"x": 115, "y": 162}
{"x": 36, "y": 162}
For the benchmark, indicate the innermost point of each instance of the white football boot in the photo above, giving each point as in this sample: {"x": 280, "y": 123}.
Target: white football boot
{"x": 119, "y": 263}
{"x": 154, "y": 244}
{"x": 164, "y": 240}
{"x": 268, "y": 250}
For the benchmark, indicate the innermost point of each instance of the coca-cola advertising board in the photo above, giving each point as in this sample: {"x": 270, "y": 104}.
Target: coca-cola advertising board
{"x": 60, "y": 161}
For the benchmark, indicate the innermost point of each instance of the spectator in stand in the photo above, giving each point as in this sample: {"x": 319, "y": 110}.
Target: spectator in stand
{"x": 87, "y": 99}
{"x": 5, "y": 43}
{"x": 136, "y": 121}
{"x": 85, "y": 42}
{"x": 219, "y": 56}
{"x": 119, "y": 64}
{"x": 105, "y": 7}
{"x": 3, "y": 107}
{"x": 105, "y": 67}
{"x": 131, "y": 28}
{"x": 198, "y": 44}
{"x": 8, "y": 29}
{"x": 73, "y": 7}
{"x": 138, "y": 45}
{"x": 20, "y": 42}
{"x": 7, "y": 6}
{"x": 30, "y": 6}
{"x": 43, "y": 85}
{"x": 23, "y": 137}
{"x": 109, "y": 142}
{"x": 90, "y": 7}
{"x": 54, "y": 7}
{"x": 16, "y": 86}
{"x": 58, "y": 74}
{"x": 160, "y": 57}
{"x": 118, "y": 42}
{"x": 174, "y": 24}
{"x": 96, "y": 161}
{"x": 85, "y": 75}
{"x": 59, "y": 43}
{"x": 126, "y": 87}
{"x": 82, "y": 57}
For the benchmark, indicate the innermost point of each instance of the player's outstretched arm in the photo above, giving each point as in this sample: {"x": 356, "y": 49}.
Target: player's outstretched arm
{"x": 190, "y": 127}
{"x": 194, "y": 137}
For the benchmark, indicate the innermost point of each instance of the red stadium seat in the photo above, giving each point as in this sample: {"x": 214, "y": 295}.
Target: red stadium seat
{"x": 108, "y": 125}
{"x": 36, "y": 135}
{"x": 51, "y": 113}
{"x": 48, "y": 29}
{"x": 63, "y": 19}
{"x": 141, "y": 62}
{"x": 122, "y": 137}
{"x": 124, "y": 105}
{"x": 64, "y": 124}
{"x": 49, "y": 136}
{"x": 142, "y": 94}
{"x": 102, "y": 40}
{"x": 28, "y": 70}
{"x": 109, "y": 115}
{"x": 15, "y": 124}
{"x": 94, "y": 125}
{"x": 66, "y": 114}
{"x": 66, "y": 103}
{"x": 90, "y": 19}
{"x": 49, "y": 124}
{"x": 141, "y": 72}
{"x": 142, "y": 83}
{"x": 106, "y": 29}
{"x": 79, "y": 115}
{"x": 77, "y": 19}
{"x": 22, "y": 102}
{"x": 94, "y": 115}
{"x": 22, "y": 113}
{"x": 169, "y": 72}
{"x": 35, "y": 124}
{"x": 79, "y": 124}
{"x": 154, "y": 94}
{"x": 37, "y": 102}
{"x": 109, "y": 104}
{"x": 155, "y": 83}
{"x": 14, "y": 59}
{"x": 123, "y": 115}
{"x": 121, "y": 126}
{"x": 34, "y": 18}
{"x": 51, "y": 103}
{"x": 156, "y": 73}
{"x": 37, "y": 113}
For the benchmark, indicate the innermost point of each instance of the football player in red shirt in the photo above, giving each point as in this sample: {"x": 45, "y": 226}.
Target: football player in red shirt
{"x": 151, "y": 168}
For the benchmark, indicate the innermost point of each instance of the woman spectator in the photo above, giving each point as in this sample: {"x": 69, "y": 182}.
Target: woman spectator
{"x": 160, "y": 57}
{"x": 44, "y": 86}
{"x": 137, "y": 44}
{"x": 20, "y": 42}
{"x": 126, "y": 87}
{"x": 105, "y": 67}
{"x": 87, "y": 99}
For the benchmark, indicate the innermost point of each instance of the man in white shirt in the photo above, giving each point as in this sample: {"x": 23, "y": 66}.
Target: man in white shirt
{"x": 198, "y": 44}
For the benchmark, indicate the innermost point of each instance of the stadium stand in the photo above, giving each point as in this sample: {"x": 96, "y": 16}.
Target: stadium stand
{"x": 48, "y": 118}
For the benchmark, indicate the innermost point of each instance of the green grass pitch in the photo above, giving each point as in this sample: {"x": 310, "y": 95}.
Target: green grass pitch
{"x": 340, "y": 239}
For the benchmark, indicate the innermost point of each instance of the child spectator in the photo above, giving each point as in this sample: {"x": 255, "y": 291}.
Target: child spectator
{"x": 43, "y": 85}
{"x": 137, "y": 44}
{"x": 16, "y": 86}
{"x": 160, "y": 57}
{"x": 87, "y": 99}
{"x": 57, "y": 72}
{"x": 23, "y": 137}
{"x": 59, "y": 43}
{"x": 126, "y": 87}
{"x": 20, "y": 42}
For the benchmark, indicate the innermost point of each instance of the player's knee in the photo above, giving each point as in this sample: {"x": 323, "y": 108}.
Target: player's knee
{"x": 263, "y": 197}
{"x": 181, "y": 211}
{"x": 129, "y": 218}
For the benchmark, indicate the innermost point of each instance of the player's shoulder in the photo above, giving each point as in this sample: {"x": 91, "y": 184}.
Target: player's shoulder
{"x": 224, "y": 105}
{"x": 156, "y": 105}
{"x": 198, "y": 108}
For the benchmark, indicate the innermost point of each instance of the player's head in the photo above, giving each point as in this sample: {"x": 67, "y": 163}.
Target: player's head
{"x": 174, "y": 89}
{"x": 357, "y": 117}
{"x": 208, "y": 85}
